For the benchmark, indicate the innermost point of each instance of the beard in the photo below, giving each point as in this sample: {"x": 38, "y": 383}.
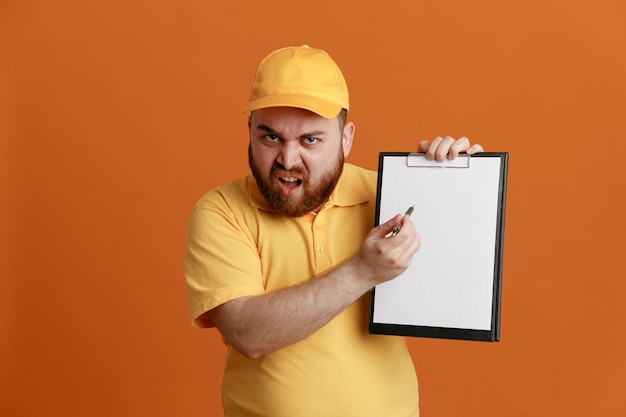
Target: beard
{"x": 313, "y": 196}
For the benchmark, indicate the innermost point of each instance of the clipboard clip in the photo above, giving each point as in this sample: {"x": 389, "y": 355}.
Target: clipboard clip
{"x": 419, "y": 160}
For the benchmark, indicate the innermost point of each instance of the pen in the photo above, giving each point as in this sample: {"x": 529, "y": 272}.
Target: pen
{"x": 397, "y": 228}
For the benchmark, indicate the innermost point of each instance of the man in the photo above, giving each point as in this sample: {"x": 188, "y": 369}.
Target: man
{"x": 282, "y": 261}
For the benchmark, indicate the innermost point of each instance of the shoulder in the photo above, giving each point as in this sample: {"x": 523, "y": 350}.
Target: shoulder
{"x": 234, "y": 191}
{"x": 360, "y": 178}
{"x": 356, "y": 186}
{"x": 354, "y": 172}
{"x": 226, "y": 205}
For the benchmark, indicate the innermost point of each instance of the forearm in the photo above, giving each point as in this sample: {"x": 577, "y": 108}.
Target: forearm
{"x": 263, "y": 324}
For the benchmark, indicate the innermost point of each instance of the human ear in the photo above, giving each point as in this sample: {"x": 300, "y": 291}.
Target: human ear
{"x": 346, "y": 138}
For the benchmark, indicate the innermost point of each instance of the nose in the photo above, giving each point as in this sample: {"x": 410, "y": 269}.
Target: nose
{"x": 289, "y": 155}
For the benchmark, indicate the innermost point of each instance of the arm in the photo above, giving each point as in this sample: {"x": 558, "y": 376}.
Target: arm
{"x": 262, "y": 324}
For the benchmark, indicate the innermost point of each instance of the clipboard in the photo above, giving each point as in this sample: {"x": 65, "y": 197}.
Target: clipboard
{"x": 452, "y": 290}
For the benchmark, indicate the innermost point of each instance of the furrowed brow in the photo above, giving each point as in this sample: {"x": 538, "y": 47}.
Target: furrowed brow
{"x": 313, "y": 134}
{"x": 267, "y": 129}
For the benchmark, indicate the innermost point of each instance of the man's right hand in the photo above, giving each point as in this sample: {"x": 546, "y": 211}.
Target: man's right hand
{"x": 383, "y": 257}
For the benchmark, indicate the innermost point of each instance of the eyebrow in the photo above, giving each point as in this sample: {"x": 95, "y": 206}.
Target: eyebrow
{"x": 271, "y": 131}
{"x": 266, "y": 129}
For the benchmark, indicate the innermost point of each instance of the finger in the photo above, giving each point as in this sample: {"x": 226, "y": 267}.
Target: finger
{"x": 405, "y": 225}
{"x": 460, "y": 145}
{"x": 407, "y": 240}
{"x": 413, "y": 236}
{"x": 476, "y": 148}
{"x": 432, "y": 147}
{"x": 444, "y": 147}
{"x": 423, "y": 146}
{"x": 384, "y": 229}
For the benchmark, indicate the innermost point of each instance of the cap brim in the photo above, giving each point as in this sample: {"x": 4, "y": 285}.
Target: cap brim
{"x": 316, "y": 105}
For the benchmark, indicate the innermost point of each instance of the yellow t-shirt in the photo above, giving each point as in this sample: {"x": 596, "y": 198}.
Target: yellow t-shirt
{"x": 237, "y": 246}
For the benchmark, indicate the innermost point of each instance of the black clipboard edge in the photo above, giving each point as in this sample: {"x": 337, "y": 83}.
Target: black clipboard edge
{"x": 499, "y": 246}
{"x": 434, "y": 332}
{"x": 443, "y": 332}
{"x": 379, "y": 183}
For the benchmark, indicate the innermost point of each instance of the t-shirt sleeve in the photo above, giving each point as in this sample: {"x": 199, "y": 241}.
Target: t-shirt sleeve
{"x": 221, "y": 259}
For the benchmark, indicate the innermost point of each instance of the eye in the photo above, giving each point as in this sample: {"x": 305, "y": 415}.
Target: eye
{"x": 311, "y": 140}
{"x": 271, "y": 138}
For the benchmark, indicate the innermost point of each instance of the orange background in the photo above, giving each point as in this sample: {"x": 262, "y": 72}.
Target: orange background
{"x": 118, "y": 115}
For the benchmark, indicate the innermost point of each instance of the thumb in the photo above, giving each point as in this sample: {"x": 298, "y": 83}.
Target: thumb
{"x": 385, "y": 228}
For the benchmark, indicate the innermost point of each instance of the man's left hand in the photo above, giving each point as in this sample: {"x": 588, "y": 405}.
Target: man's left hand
{"x": 448, "y": 148}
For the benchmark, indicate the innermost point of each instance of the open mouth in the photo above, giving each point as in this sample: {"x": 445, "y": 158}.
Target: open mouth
{"x": 289, "y": 185}
{"x": 290, "y": 180}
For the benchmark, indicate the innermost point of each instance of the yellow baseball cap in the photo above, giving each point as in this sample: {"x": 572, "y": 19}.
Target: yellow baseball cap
{"x": 300, "y": 76}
